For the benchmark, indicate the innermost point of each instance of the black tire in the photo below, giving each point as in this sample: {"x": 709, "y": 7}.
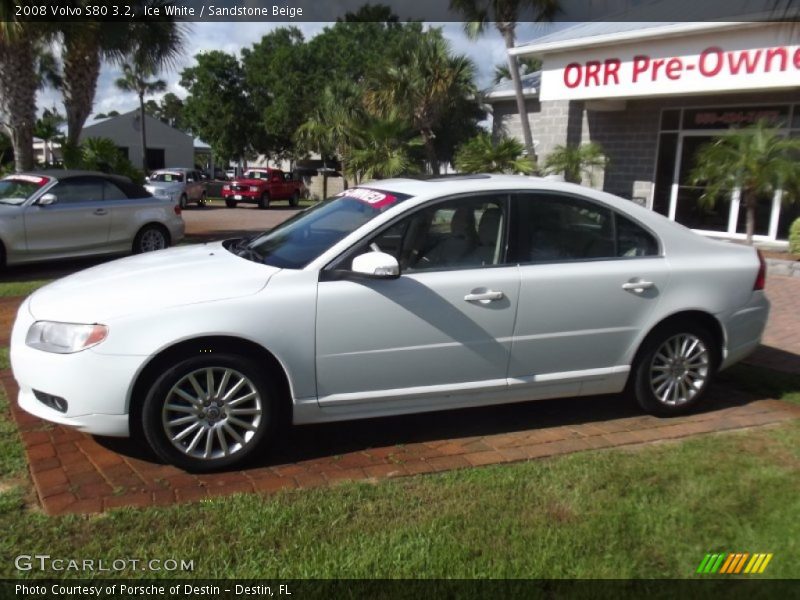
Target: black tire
{"x": 295, "y": 199}
{"x": 667, "y": 386}
{"x": 183, "y": 201}
{"x": 150, "y": 238}
{"x": 180, "y": 453}
{"x": 230, "y": 203}
{"x": 263, "y": 201}
{"x": 203, "y": 200}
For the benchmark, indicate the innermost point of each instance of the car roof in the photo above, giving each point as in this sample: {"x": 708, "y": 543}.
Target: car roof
{"x": 69, "y": 173}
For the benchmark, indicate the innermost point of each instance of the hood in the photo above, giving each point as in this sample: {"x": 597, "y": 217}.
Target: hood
{"x": 148, "y": 282}
{"x": 243, "y": 181}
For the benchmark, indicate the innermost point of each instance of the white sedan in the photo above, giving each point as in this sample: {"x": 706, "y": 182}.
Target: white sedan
{"x": 401, "y": 296}
{"x": 47, "y": 215}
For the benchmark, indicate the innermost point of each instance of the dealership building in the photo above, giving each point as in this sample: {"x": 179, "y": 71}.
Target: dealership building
{"x": 651, "y": 94}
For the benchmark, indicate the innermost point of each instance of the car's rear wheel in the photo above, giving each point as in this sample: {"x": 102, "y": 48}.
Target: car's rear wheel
{"x": 203, "y": 199}
{"x": 295, "y": 200}
{"x": 208, "y": 412}
{"x": 230, "y": 203}
{"x": 263, "y": 201}
{"x": 183, "y": 201}
{"x": 150, "y": 238}
{"x": 674, "y": 368}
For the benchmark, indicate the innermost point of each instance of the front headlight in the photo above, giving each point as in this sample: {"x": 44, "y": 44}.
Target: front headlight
{"x": 64, "y": 338}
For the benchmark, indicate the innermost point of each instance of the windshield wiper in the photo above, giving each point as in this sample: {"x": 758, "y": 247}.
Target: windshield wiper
{"x": 240, "y": 248}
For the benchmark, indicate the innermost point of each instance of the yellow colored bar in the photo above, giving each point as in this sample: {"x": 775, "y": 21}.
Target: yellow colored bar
{"x": 765, "y": 563}
{"x": 727, "y": 563}
{"x": 741, "y": 562}
{"x": 752, "y": 562}
{"x": 759, "y": 560}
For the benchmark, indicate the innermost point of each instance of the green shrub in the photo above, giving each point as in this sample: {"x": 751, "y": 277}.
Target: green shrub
{"x": 102, "y": 154}
{"x": 794, "y": 237}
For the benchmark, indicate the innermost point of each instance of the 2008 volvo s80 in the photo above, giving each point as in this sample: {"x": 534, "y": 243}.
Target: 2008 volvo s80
{"x": 400, "y": 296}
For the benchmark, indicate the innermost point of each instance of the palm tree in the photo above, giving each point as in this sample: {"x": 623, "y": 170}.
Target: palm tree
{"x": 422, "y": 85}
{"x": 480, "y": 155}
{"x": 527, "y": 65}
{"x": 135, "y": 78}
{"x": 330, "y": 129}
{"x": 48, "y": 129}
{"x": 20, "y": 44}
{"x": 505, "y": 15}
{"x": 576, "y": 161}
{"x": 383, "y": 148}
{"x": 756, "y": 160}
{"x": 87, "y": 43}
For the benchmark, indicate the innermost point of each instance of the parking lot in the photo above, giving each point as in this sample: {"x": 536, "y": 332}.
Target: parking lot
{"x": 77, "y": 473}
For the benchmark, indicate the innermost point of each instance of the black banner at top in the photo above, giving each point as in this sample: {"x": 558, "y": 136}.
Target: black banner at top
{"x": 289, "y": 11}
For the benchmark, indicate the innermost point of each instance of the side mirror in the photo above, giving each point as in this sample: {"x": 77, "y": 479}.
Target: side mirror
{"x": 376, "y": 264}
{"x": 47, "y": 200}
{"x": 190, "y": 180}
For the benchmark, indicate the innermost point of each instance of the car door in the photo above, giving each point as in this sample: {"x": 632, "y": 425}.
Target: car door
{"x": 78, "y": 222}
{"x": 195, "y": 186}
{"x": 442, "y": 328}
{"x": 590, "y": 279}
{"x": 124, "y": 221}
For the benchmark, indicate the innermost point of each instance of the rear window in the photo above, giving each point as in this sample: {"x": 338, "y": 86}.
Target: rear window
{"x": 18, "y": 188}
{"x": 256, "y": 175}
{"x": 168, "y": 177}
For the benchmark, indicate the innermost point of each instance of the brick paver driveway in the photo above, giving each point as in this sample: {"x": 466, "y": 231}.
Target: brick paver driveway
{"x": 76, "y": 473}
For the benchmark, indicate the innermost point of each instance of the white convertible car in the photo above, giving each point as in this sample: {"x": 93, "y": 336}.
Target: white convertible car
{"x": 400, "y": 296}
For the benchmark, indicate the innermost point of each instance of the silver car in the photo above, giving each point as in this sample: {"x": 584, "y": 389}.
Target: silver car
{"x": 62, "y": 214}
{"x": 179, "y": 185}
{"x": 399, "y": 296}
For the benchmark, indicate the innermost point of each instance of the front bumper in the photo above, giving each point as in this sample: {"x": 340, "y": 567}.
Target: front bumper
{"x": 242, "y": 196}
{"x": 95, "y": 386}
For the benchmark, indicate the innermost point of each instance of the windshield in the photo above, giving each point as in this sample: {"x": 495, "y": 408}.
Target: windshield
{"x": 167, "y": 177}
{"x": 296, "y": 242}
{"x": 18, "y": 188}
{"x": 256, "y": 175}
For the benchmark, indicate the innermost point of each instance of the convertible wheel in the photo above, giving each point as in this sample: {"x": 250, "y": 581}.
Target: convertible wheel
{"x": 674, "y": 369}
{"x": 150, "y": 238}
{"x": 263, "y": 201}
{"x": 208, "y": 412}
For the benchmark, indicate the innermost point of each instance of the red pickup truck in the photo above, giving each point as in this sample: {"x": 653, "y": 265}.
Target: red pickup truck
{"x": 262, "y": 186}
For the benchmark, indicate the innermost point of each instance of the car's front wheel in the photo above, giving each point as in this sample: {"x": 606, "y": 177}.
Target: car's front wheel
{"x": 150, "y": 238}
{"x": 295, "y": 200}
{"x": 263, "y": 201}
{"x": 208, "y": 412}
{"x": 230, "y": 203}
{"x": 674, "y": 368}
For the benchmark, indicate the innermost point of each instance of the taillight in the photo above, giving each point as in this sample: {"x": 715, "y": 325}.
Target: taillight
{"x": 177, "y": 209}
{"x": 761, "y": 278}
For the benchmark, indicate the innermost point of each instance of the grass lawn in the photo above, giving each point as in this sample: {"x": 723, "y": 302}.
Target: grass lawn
{"x": 21, "y": 288}
{"x": 649, "y": 511}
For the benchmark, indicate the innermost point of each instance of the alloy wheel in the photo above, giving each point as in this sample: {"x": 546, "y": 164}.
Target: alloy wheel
{"x": 680, "y": 369}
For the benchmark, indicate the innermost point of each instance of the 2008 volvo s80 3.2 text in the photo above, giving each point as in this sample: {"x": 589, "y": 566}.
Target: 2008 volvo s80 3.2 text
{"x": 396, "y": 297}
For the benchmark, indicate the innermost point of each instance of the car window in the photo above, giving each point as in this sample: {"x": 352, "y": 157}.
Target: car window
{"x": 459, "y": 233}
{"x": 554, "y": 227}
{"x": 18, "y": 188}
{"x": 112, "y": 192}
{"x": 302, "y": 238}
{"x": 74, "y": 191}
{"x": 167, "y": 177}
{"x": 256, "y": 175}
{"x": 634, "y": 240}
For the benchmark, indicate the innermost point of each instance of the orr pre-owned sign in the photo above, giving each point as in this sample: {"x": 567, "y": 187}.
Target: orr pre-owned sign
{"x": 742, "y": 59}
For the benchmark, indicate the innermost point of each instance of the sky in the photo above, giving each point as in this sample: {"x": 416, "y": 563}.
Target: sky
{"x": 231, "y": 37}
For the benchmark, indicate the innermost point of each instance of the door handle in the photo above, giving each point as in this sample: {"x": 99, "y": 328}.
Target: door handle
{"x": 483, "y": 297}
{"x": 101, "y": 212}
{"x": 638, "y": 286}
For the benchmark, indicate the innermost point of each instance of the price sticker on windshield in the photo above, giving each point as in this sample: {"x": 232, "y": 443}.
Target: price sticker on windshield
{"x": 374, "y": 198}
{"x": 40, "y": 181}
